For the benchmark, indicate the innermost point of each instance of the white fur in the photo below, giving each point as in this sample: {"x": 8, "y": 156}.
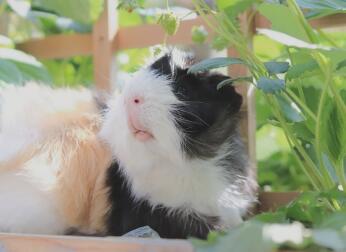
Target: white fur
{"x": 28, "y": 204}
{"x": 28, "y": 201}
{"x": 24, "y": 111}
{"x": 157, "y": 169}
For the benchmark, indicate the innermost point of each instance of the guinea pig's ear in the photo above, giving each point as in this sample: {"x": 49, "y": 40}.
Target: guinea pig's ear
{"x": 226, "y": 93}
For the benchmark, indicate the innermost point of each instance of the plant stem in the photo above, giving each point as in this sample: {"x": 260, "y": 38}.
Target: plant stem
{"x": 314, "y": 175}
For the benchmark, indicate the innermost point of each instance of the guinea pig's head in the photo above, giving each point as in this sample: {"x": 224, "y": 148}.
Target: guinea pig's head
{"x": 164, "y": 110}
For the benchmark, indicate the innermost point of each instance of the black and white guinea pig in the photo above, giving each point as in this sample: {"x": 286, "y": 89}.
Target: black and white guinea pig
{"x": 179, "y": 162}
{"x": 166, "y": 153}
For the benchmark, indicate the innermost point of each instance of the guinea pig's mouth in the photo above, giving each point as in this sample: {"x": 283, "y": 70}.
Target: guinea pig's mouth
{"x": 138, "y": 130}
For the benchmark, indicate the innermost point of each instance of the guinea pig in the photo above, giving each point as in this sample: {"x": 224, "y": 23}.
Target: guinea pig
{"x": 164, "y": 153}
{"x": 179, "y": 164}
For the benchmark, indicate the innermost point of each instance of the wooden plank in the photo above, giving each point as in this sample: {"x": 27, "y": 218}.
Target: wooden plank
{"x": 58, "y": 46}
{"x": 68, "y": 45}
{"x": 103, "y": 35}
{"x": 270, "y": 201}
{"x": 248, "y": 122}
{"x": 44, "y": 243}
{"x": 153, "y": 34}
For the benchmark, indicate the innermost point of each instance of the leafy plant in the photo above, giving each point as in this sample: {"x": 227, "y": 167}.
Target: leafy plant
{"x": 285, "y": 94}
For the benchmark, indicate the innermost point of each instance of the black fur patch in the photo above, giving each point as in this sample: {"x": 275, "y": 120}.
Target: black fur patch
{"x": 127, "y": 214}
{"x": 208, "y": 117}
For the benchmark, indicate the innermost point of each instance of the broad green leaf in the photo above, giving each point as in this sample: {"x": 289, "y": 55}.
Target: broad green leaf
{"x": 212, "y": 63}
{"x": 290, "y": 110}
{"x": 232, "y": 81}
{"x": 21, "y": 7}
{"x": 330, "y": 238}
{"x": 336, "y": 221}
{"x": 333, "y": 134}
{"x": 169, "y": 22}
{"x": 30, "y": 68}
{"x": 31, "y": 72}
{"x": 341, "y": 64}
{"x": 84, "y": 11}
{"x": 276, "y": 217}
{"x": 237, "y": 240}
{"x": 276, "y": 12}
{"x": 18, "y": 56}
{"x": 307, "y": 208}
{"x": 289, "y": 40}
{"x": 223, "y": 4}
{"x": 234, "y": 7}
{"x": 270, "y": 85}
{"x": 297, "y": 70}
{"x": 199, "y": 34}
{"x": 337, "y": 5}
{"x": 276, "y": 67}
{"x": 9, "y": 73}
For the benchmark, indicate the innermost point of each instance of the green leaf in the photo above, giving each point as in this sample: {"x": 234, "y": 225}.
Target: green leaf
{"x": 337, "y": 5}
{"x": 234, "y": 7}
{"x": 9, "y": 73}
{"x": 336, "y": 221}
{"x": 169, "y": 22}
{"x": 275, "y": 67}
{"x": 232, "y": 81}
{"x": 31, "y": 72}
{"x": 270, "y": 85}
{"x": 237, "y": 240}
{"x": 288, "y": 40}
{"x": 30, "y": 67}
{"x": 199, "y": 34}
{"x": 330, "y": 239}
{"x": 297, "y": 70}
{"x": 21, "y": 7}
{"x": 290, "y": 110}
{"x": 306, "y": 208}
{"x": 333, "y": 134}
{"x": 18, "y": 56}
{"x": 218, "y": 62}
{"x": 276, "y": 12}
{"x": 341, "y": 64}
{"x": 84, "y": 11}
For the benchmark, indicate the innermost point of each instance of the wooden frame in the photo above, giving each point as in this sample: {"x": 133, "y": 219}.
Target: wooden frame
{"x": 105, "y": 39}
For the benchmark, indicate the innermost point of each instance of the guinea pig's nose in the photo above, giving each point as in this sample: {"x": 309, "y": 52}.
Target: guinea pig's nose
{"x": 137, "y": 100}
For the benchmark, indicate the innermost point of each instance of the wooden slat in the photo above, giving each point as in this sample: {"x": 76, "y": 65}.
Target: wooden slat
{"x": 270, "y": 201}
{"x": 64, "y": 46}
{"x": 104, "y": 32}
{"x": 152, "y": 34}
{"x": 58, "y": 46}
{"x": 44, "y": 243}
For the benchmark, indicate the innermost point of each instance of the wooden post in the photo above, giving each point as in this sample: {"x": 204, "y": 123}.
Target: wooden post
{"x": 248, "y": 123}
{"x": 104, "y": 32}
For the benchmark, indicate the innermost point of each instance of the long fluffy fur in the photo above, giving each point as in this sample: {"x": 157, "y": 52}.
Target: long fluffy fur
{"x": 58, "y": 155}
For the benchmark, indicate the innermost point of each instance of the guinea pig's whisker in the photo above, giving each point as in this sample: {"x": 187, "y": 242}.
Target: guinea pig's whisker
{"x": 194, "y": 115}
